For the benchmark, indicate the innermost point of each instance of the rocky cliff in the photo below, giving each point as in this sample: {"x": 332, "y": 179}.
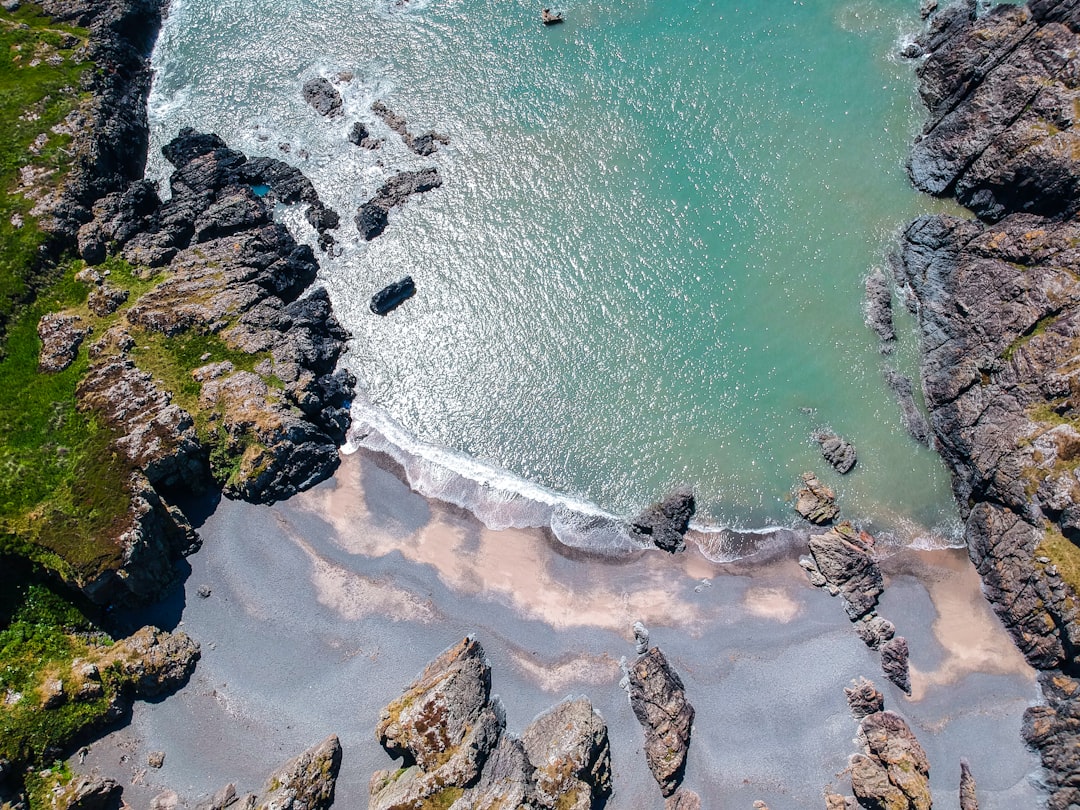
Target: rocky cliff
{"x": 996, "y": 300}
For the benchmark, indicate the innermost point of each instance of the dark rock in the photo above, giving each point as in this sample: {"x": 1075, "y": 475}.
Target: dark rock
{"x": 61, "y": 335}
{"x": 105, "y": 299}
{"x": 874, "y": 630}
{"x": 425, "y": 144}
{"x": 842, "y": 556}
{"x": 373, "y": 216}
{"x": 910, "y": 414}
{"x": 322, "y": 96}
{"x": 968, "y": 798}
{"x": 894, "y": 662}
{"x": 204, "y": 592}
{"x": 665, "y": 523}
{"x": 879, "y": 309}
{"x": 392, "y": 296}
{"x": 837, "y": 451}
{"x": 549, "y": 17}
{"x": 658, "y": 699}
{"x": 360, "y": 136}
{"x": 322, "y": 218}
{"x": 815, "y": 501}
{"x": 1052, "y": 729}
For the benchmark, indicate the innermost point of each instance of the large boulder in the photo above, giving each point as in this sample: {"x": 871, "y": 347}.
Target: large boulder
{"x": 665, "y": 523}
{"x": 842, "y": 558}
{"x": 658, "y": 699}
{"x": 322, "y": 96}
{"x": 306, "y": 782}
{"x": 568, "y": 746}
{"x": 815, "y": 501}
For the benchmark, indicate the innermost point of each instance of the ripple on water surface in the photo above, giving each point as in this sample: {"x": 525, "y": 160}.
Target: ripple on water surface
{"x": 645, "y": 264}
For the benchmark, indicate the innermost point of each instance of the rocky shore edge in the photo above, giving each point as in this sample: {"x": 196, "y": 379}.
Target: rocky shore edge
{"x": 997, "y": 303}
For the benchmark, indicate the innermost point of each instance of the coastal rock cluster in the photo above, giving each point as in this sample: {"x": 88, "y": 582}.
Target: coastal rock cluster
{"x": 996, "y": 301}
{"x": 274, "y": 423}
{"x": 450, "y": 734}
{"x": 841, "y": 561}
{"x": 664, "y": 524}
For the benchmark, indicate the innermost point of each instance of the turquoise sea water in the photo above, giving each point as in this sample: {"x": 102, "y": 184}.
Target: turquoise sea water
{"x": 646, "y": 261}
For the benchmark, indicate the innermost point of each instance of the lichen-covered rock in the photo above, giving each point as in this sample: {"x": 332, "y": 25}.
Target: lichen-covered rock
{"x": 842, "y": 556}
{"x": 507, "y": 781}
{"x": 153, "y": 661}
{"x": 89, "y": 793}
{"x": 445, "y": 723}
{"x": 665, "y": 523}
{"x": 893, "y": 772}
{"x": 815, "y": 501}
{"x": 61, "y": 335}
{"x": 658, "y": 699}
{"x": 568, "y": 746}
{"x": 306, "y": 782}
{"x": 1053, "y": 729}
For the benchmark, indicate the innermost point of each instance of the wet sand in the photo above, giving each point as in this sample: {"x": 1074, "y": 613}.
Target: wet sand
{"x": 322, "y": 609}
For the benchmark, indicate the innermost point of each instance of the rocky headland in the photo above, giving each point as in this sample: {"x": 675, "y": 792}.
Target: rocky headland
{"x": 996, "y": 301}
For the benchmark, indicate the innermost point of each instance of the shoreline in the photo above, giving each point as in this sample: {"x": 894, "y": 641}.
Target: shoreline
{"x": 300, "y": 593}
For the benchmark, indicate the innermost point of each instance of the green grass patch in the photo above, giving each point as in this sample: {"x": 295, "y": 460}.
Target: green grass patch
{"x": 42, "y": 631}
{"x": 62, "y": 486}
{"x": 40, "y": 82}
{"x": 1064, "y": 554}
{"x": 1040, "y": 326}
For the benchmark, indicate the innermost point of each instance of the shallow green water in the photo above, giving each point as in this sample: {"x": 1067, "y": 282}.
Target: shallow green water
{"x": 647, "y": 258}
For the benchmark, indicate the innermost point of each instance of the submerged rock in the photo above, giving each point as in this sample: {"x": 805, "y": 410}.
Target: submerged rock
{"x": 374, "y": 215}
{"x": 425, "y": 144}
{"x": 839, "y": 452}
{"x": 665, "y": 523}
{"x": 658, "y": 699}
{"x": 322, "y": 96}
{"x": 392, "y": 296}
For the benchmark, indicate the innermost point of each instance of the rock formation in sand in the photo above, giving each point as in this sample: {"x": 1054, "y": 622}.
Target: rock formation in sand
{"x": 456, "y": 754}
{"x": 658, "y": 699}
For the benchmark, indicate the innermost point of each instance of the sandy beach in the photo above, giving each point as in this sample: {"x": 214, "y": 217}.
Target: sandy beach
{"x": 322, "y": 609}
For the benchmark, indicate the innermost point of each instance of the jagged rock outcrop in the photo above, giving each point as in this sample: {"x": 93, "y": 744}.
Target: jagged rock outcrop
{"x": 996, "y": 303}
{"x": 892, "y": 772}
{"x": 658, "y": 699}
{"x": 306, "y": 782}
{"x": 89, "y": 792}
{"x": 864, "y": 699}
{"x": 374, "y": 215}
{"x": 324, "y": 98}
{"x": 683, "y": 800}
{"x": 894, "y": 662}
{"x": 968, "y": 798}
{"x": 450, "y": 735}
{"x": 664, "y": 524}
{"x": 109, "y": 130}
{"x": 838, "y": 451}
{"x": 1054, "y": 730}
{"x": 568, "y": 746}
{"x": 815, "y": 501}
{"x": 359, "y": 136}
{"x": 841, "y": 561}
{"x": 426, "y": 144}
{"x": 154, "y": 662}
{"x": 879, "y": 314}
{"x": 911, "y": 415}
{"x": 874, "y": 630}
